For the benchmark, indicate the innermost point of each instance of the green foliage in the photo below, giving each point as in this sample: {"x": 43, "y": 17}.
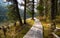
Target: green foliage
{"x": 12, "y": 13}
{"x": 29, "y": 12}
{"x": 3, "y": 11}
{"x": 40, "y": 8}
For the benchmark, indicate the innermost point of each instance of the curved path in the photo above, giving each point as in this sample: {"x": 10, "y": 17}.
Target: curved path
{"x": 36, "y": 30}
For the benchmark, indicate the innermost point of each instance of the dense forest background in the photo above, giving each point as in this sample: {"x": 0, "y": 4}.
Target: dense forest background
{"x": 19, "y": 20}
{"x": 3, "y": 11}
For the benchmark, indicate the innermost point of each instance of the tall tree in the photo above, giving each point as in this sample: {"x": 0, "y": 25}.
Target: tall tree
{"x": 11, "y": 14}
{"x": 29, "y": 7}
{"x": 53, "y": 12}
{"x": 40, "y": 8}
{"x": 33, "y": 9}
{"x": 41, "y": 4}
{"x": 47, "y": 9}
{"x": 17, "y": 10}
{"x": 15, "y": 4}
{"x": 58, "y": 8}
{"x": 25, "y": 12}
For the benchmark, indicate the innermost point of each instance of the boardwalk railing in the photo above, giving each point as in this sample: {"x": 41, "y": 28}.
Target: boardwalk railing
{"x": 56, "y": 36}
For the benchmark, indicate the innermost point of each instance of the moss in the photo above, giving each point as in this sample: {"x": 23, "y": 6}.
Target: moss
{"x": 30, "y": 22}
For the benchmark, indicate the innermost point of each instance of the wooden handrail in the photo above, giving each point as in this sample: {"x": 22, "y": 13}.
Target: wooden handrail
{"x": 55, "y": 35}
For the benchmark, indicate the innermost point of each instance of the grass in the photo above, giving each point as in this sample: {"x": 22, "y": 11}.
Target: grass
{"x": 46, "y": 29}
{"x": 58, "y": 31}
{"x": 16, "y": 31}
{"x": 30, "y": 22}
{"x": 58, "y": 25}
{"x": 23, "y": 32}
{"x": 26, "y": 28}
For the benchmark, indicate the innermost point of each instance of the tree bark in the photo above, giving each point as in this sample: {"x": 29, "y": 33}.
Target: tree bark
{"x": 53, "y": 13}
{"x": 25, "y": 12}
{"x": 41, "y": 4}
{"x": 33, "y": 9}
{"x": 17, "y": 9}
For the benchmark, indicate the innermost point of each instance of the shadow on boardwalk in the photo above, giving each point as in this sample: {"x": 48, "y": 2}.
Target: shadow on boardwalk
{"x": 36, "y": 30}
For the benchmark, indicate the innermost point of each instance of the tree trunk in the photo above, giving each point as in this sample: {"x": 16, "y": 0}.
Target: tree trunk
{"x": 41, "y": 4}
{"x": 17, "y": 9}
{"x": 33, "y": 9}
{"x": 53, "y": 13}
{"x": 47, "y": 9}
{"x": 25, "y": 12}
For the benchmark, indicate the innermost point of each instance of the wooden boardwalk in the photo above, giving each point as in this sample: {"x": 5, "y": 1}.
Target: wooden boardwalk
{"x": 36, "y": 30}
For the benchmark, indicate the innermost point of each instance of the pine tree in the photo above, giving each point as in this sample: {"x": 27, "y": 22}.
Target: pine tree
{"x": 15, "y": 10}
{"x": 33, "y": 9}
{"x": 53, "y": 12}
{"x": 25, "y": 12}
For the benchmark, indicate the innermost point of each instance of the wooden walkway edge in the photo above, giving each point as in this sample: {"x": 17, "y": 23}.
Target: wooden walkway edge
{"x": 36, "y": 30}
